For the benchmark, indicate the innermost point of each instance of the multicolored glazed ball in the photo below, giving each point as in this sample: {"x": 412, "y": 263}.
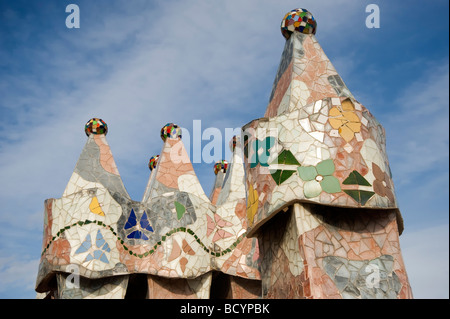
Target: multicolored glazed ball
{"x": 221, "y": 166}
{"x": 95, "y": 126}
{"x": 152, "y": 162}
{"x": 235, "y": 141}
{"x": 300, "y": 20}
{"x": 170, "y": 130}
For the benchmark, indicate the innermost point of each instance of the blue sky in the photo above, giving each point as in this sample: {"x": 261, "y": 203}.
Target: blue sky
{"x": 140, "y": 64}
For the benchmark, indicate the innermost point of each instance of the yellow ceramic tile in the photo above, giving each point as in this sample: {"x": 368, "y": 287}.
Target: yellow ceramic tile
{"x": 336, "y": 123}
{"x": 334, "y": 112}
{"x": 351, "y": 116}
{"x": 347, "y": 105}
{"x": 346, "y": 133}
{"x": 94, "y": 206}
{"x": 355, "y": 127}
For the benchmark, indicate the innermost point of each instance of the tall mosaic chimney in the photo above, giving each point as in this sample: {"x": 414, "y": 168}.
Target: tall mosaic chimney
{"x": 305, "y": 207}
{"x": 320, "y": 195}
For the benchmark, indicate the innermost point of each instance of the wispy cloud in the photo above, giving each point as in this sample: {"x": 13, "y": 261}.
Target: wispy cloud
{"x": 425, "y": 253}
{"x": 418, "y": 129}
{"x": 141, "y": 65}
{"x": 18, "y": 274}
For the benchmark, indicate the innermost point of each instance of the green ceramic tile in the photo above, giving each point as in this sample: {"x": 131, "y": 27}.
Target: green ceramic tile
{"x": 359, "y": 195}
{"x": 312, "y": 189}
{"x": 286, "y": 157}
{"x": 355, "y": 178}
{"x": 307, "y": 173}
{"x": 281, "y": 175}
{"x": 330, "y": 184}
{"x": 325, "y": 167}
{"x": 180, "y": 210}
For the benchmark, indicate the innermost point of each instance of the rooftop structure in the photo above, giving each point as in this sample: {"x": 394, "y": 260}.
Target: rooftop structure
{"x": 305, "y": 208}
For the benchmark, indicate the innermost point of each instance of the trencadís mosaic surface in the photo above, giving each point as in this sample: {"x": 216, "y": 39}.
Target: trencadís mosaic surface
{"x": 305, "y": 208}
{"x": 316, "y": 142}
{"x": 300, "y": 20}
{"x": 320, "y": 193}
{"x": 174, "y": 232}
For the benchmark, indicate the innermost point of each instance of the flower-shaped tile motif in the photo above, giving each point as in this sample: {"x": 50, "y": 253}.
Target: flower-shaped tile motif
{"x": 345, "y": 120}
{"x": 319, "y": 178}
{"x": 382, "y": 184}
{"x": 216, "y": 227}
{"x": 138, "y": 231}
{"x": 98, "y": 251}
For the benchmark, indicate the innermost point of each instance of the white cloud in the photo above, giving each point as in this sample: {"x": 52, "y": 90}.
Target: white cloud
{"x": 426, "y": 255}
{"x": 138, "y": 68}
{"x": 417, "y": 132}
{"x": 210, "y": 63}
{"x": 18, "y": 274}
